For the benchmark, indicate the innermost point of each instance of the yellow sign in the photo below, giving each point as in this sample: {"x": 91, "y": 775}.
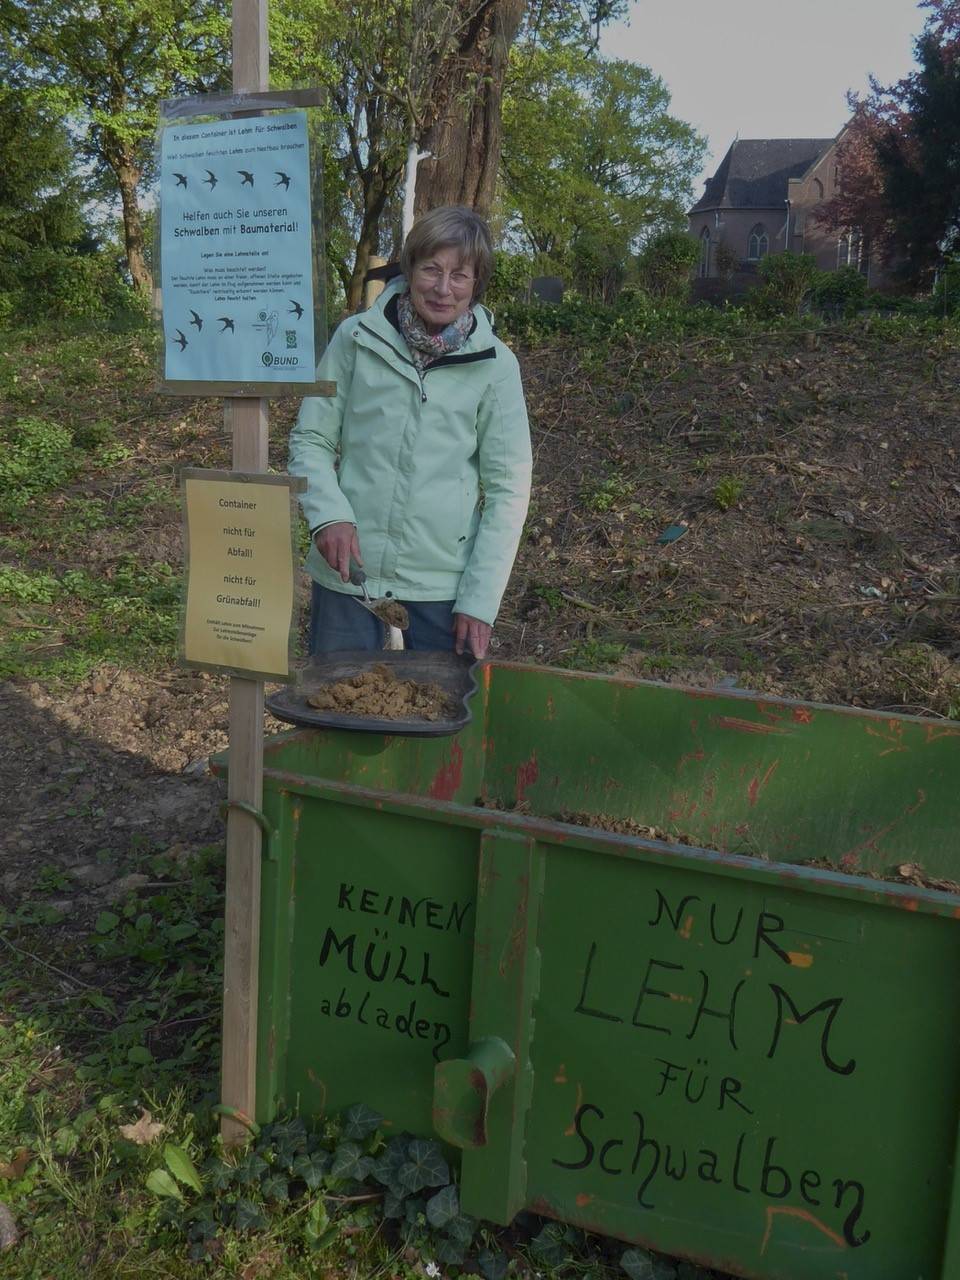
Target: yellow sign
{"x": 240, "y": 572}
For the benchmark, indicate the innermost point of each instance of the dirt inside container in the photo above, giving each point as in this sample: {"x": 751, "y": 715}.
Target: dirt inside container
{"x": 380, "y": 694}
{"x": 392, "y": 613}
{"x": 626, "y": 827}
{"x": 903, "y": 873}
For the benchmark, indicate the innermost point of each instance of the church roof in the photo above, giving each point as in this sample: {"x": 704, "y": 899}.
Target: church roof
{"x": 755, "y": 171}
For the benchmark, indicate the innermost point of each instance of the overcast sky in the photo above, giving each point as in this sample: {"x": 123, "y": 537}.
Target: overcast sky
{"x": 764, "y": 68}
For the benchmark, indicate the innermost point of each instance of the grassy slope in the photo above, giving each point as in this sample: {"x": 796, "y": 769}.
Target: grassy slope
{"x": 816, "y": 475}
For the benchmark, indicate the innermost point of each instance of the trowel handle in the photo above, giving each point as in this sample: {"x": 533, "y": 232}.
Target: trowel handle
{"x": 357, "y": 575}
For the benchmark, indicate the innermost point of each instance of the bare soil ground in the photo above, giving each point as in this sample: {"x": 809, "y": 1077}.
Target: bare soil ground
{"x": 816, "y": 482}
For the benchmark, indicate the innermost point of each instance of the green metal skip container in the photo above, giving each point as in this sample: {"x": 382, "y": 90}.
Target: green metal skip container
{"x": 735, "y": 1044}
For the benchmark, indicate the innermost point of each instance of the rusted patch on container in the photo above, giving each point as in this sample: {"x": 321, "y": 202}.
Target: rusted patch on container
{"x": 512, "y": 953}
{"x": 686, "y": 929}
{"x": 448, "y": 777}
{"x": 757, "y": 783}
{"x": 697, "y": 756}
{"x": 527, "y": 774}
{"x": 315, "y": 1079}
{"x": 800, "y": 959}
{"x": 746, "y": 726}
{"x": 582, "y": 1199}
{"x": 894, "y": 737}
{"x": 871, "y": 841}
{"x": 933, "y": 733}
{"x": 794, "y": 1211}
{"x": 802, "y": 715}
{"x": 572, "y": 1127}
{"x": 561, "y": 1076}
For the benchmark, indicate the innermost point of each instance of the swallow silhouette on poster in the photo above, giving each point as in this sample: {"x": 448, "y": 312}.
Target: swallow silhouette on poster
{"x": 236, "y": 250}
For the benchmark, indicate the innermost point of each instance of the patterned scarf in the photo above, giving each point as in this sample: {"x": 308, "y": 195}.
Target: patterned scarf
{"x": 425, "y": 347}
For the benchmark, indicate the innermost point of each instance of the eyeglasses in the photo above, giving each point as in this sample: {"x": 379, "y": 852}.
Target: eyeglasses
{"x": 431, "y": 274}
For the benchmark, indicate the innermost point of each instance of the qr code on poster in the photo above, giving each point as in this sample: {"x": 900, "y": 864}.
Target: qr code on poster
{"x": 291, "y": 335}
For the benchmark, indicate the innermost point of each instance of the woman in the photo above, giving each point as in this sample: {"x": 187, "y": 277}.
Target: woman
{"x": 428, "y": 413}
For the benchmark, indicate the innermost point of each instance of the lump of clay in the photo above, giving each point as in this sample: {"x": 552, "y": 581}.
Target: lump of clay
{"x": 381, "y": 695}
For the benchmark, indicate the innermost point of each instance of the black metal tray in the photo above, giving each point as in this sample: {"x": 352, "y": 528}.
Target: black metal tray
{"x": 455, "y": 676}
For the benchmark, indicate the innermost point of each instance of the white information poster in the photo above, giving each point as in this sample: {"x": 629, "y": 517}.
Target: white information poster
{"x": 236, "y": 250}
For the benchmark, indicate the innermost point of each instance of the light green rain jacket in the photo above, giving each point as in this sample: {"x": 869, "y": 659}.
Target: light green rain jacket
{"x": 414, "y": 455}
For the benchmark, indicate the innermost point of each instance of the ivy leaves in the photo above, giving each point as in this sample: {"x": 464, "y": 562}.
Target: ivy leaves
{"x": 326, "y": 1176}
{"x": 641, "y": 1265}
{"x": 359, "y": 1122}
{"x": 350, "y": 1163}
{"x": 423, "y": 1167}
{"x": 408, "y": 1169}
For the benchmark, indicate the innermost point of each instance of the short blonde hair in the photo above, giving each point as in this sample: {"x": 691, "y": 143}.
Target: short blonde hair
{"x": 451, "y": 226}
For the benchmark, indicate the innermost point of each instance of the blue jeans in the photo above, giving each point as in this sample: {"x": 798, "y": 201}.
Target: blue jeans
{"x": 338, "y": 622}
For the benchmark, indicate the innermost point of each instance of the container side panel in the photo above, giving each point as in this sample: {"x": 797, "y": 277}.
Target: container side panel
{"x": 448, "y": 768}
{"x": 755, "y": 1080}
{"x": 790, "y": 781}
{"x": 382, "y": 943}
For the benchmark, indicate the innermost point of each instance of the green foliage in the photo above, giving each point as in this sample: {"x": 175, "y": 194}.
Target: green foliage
{"x": 786, "y": 282}
{"x": 40, "y": 195}
{"x": 641, "y": 1265}
{"x": 35, "y": 456}
{"x": 917, "y": 153}
{"x": 61, "y": 431}
{"x": 841, "y": 293}
{"x": 635, "y": 317}
{"x": 598, "y": 261}
{"x": 666, "y": 264}
{"x": 551, "y": 596}
{"x": 945, "y": 299}
{"x": 725, "y": 260}
{"x": 132, "y": 615}
{"x": 510, "y": 279}
{"x": 21, "y": 587}
{"x": 594, "y": 655}
{"x": 592, "y": 158}
{"x": 107, "y": 68}
{"x": 608, "y": 493}
{"x": 728, "y": 492}
{"x": 289, "y": 1163}
{"x": 63, "y": 285}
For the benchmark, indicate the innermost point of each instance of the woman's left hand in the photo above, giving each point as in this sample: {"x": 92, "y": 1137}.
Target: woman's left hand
{"x": 471, "y": 632}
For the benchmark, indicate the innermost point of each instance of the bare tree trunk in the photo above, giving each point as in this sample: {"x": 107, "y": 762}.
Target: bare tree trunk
{"x": 368, "y": 242}
{"x": 366, "y": 245}
{"x": 463, "y": 128}
{"x": 128, "y": 175}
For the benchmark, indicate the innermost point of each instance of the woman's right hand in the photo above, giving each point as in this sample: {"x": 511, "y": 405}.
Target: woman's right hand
{"x": 337, "y": 543}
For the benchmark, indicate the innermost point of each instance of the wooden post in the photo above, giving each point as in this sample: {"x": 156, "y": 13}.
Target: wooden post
{"x": 249, "y": 421}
